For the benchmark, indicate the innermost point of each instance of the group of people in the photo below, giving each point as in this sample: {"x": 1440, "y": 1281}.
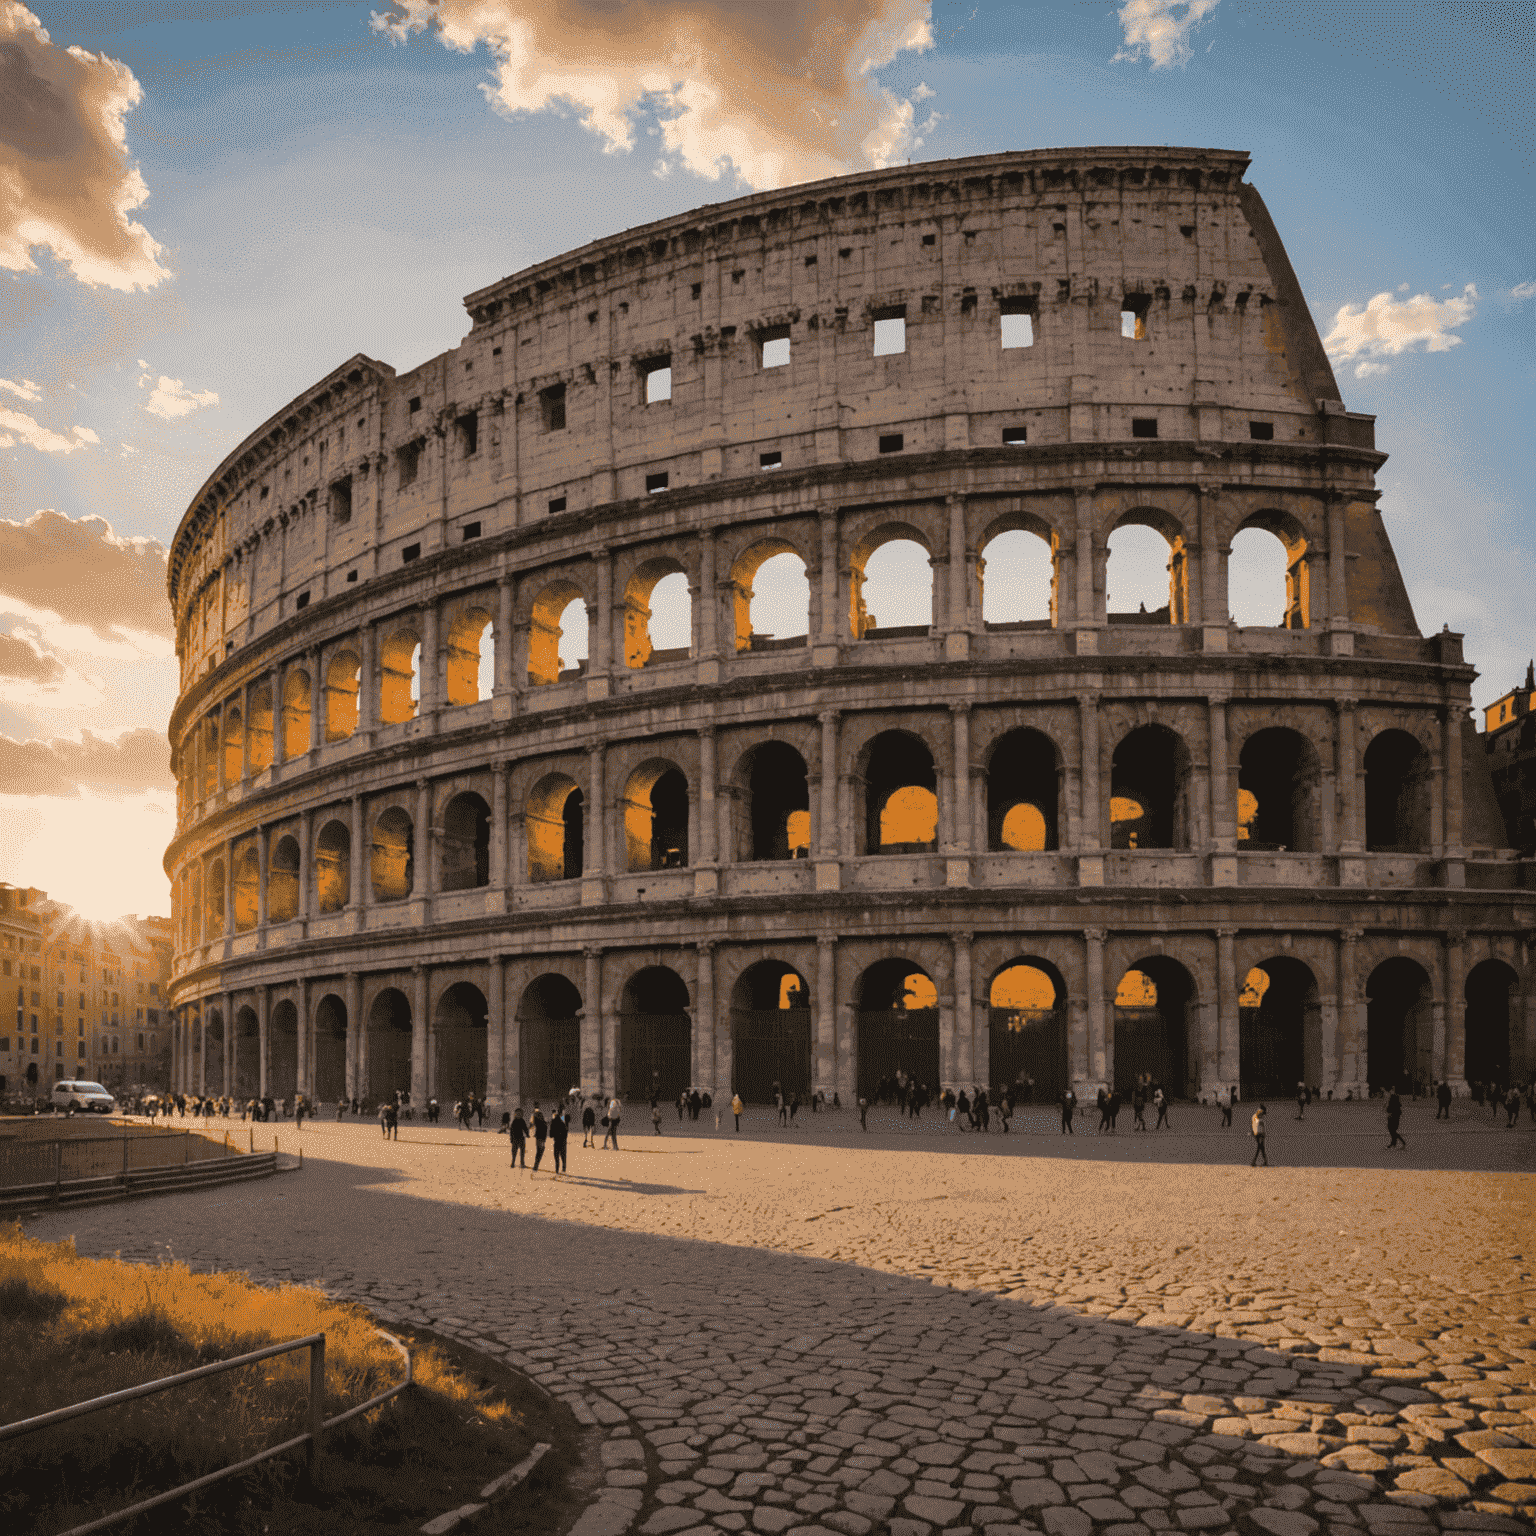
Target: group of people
{"x": 554, "y": 1130}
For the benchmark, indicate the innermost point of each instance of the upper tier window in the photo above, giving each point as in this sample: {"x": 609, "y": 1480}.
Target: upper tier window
{"x": 658, "y": 381}
{"x": 890, "y": 331}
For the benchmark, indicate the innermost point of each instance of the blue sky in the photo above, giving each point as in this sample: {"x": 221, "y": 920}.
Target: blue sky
{"x": 319, "y": 188}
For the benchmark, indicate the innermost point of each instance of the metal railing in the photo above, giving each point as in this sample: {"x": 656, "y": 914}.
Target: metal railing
{"x": 314, "y": 1343}
{"x": 57, "y": 1160}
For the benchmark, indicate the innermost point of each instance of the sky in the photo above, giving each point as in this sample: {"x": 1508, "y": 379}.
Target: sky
{"x": 205, "y": 207}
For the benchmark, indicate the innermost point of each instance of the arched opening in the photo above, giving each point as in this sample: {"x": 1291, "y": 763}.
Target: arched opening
{"x": 891, "y": 595}
{"x": 234, "y": 744}
{"x": 655, "y": 1035}
{"x": 771, "y": 596}
{"x": 247, "y": 1054}
{"x": 210, "y": 738}
{"x": 330, "y": 1075}
{"x": 1027, "y": 1028}
{"x": 1490, "y": 1054}
{"x": 1017, "y": 577}
{"x": 557, "y": 633}
{"x": 399, "y": 677}
{"x": 1146, "y": 577}
{"x": 896, "y": 1013}
{"x": 261, "y": 727}
{"x": 770, "y": 1032}
{"x": 901, "y": 803}
{"x": 392, "y": 866}
{"x": 777, "y": 824}
{"x": 283, "y": 881}
{"x": 389, "y": 1045}
{"x": 461, "y": 1037}
{"x": 247, "y": 885}
{"x": 1397, "y": 798}
{"x": 283, "y": 1052}
{"x": 1267, "y": 584}
{"x": 195, "y": 905}
{"x": 549, "y": 1034}
{"x": 658, "y": 614}
{"x": 555, "y": 829}
{"x": 333, "y": 866}
{"x": 471, "y": 667}
{"x": 296, "y": 689}
{"x": 656, "y": 817}
{"x": 213, "y": 1065}
{"x": 342, "y": 680}
{"x": 1280, "y": 1030}
{"x": 1023, "y": 783}
{"x": 1399, "y": 1015}
{"x": 1152, "y": 1006}
{"x": 1149, "y": 790}
{"x": 213, "y": 912}
{"x": 1278, "y": 793}
{"x": 465, "y": 851}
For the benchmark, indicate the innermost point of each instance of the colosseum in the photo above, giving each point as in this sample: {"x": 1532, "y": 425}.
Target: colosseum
{"x": 424, "y": 844}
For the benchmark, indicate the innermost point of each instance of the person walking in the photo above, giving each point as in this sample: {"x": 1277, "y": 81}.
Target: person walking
{"x": 1301, "y": 1101}
{"x": 1138, "y": 1108}
{"x": 656, "y": 1115}
{"x": 519, "y": 1135}
{"x": 1160, "y": 1099}
{"x": 1443, "y": 1101}
{"x": 392, "y": 1122}
{"x": 736, "y": 1108}
{"x": 559, "y": 1137}
{"x": 588, "y": 1123}
{"x": 341, "y": 1108}
{"x": 383, "y": 1120}
{"x": 1258, "y": 1138}
{"x": 1114, "y": 1112}
{"x": 1512, "y": 1107}
{"x": 540, "y": 1136}
{"x": 863, "y": 1113}
{"x": 781, "y": 1106}
{"x": 615, "y": 1109}
{"x": 1068, "y": 1105}
{"x": 1395, "y": 1119}
{"x": 1102, "y": 1105}
{"x": 1224, "y": 1100}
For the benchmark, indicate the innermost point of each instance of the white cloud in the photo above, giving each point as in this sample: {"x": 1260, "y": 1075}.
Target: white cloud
{"x": 26, "y": 389}
{"x": 17, "y": 426}
{"x": 86, "y": 435}
{"x": 1386, "y": 327}
{"x": 170, "y": 399}
{"x": 781, "y": 93}
{"x": 1160, "y": 30}
{"x": 1523, "y": 291}
{"x": 69, "y": 185}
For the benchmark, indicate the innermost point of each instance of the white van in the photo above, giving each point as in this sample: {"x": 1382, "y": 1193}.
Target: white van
{"x": 74, "y": 1094}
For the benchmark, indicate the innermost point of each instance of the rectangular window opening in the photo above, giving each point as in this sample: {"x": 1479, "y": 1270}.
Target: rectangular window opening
{"x": 1018, "y": 323}
{"x": 1014, "y": 436}
{"x": 302, "y": 601}
{"x": 772, "y": 459}
{"x": 1133, "y": 316}
{"x": 471, "y": 531}
{"x": 409, "y": 460}
{"x": 351, "y": 575}
{"x": 341, "y": 500}
{"x": 698, "y": 288}
{"x": 409, "y": 553}
{"x": 1261, "y": 431}
{"x": 929, "y": 239}
{"x": 775, "y": 345}
{"x": 1144, "y": 426}
{"x": 890, "y": 330}
{"x": 415, "y": 404}
{"x": 552, "y": 403}
{"x": 656, "y": 482}
{"x": 658, "y": 381}
{"x": 891, "y": 442}
{"x": 468, "y": 428}
{"x": 556, "y": 504}
{"x": 495, "y": 351}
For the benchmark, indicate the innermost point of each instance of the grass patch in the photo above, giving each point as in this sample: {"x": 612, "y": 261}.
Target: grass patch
{"x": 73, "y": 1328}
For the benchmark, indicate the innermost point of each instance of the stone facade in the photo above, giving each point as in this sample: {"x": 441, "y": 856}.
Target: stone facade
{"x": 416, "y": 849}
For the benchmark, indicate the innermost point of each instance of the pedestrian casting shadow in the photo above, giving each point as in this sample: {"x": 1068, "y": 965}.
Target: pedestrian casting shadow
{"x": 1176, "y": 1408}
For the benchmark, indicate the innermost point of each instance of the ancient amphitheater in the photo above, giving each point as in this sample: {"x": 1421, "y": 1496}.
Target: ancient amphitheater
{"x": 419, "y": 848}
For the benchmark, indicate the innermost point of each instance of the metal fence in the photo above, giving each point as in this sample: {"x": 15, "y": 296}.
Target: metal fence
{"x": 24, "y": 1162}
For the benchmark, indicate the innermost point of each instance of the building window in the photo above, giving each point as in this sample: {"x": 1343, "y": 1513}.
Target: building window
{"x": 658, "y": 380}
{"x": 891, "y": 442}
{"x": 890, "y": 330}
{"x": 1013, "y": 437}
{"x": 552, "y": 403}
{"x": 1133, "y": 316}
{"x": 1018, "y": 323}
{"x": 1144, "y": 426}
{"x": 656, "y": 482}
{"x": 775, "y": 347}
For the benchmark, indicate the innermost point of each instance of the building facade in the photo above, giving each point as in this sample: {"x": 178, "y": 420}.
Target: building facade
{"x": 423, "y": 844}
{"x": 1509, "y": 734}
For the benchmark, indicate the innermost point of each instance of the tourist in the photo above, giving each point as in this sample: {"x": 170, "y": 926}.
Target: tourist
{"x": 794, "y": 1105}
{"x": 1512, "y": 1107}
{"x": 1103, "y": 1108}
{"x": 863, "y": 1113}
{"x": 1114, "y": 1109}
{"x": 341, "y": 1108}
{"x": 1138, "y": 1108}
{"x": 960, "y": 1110}
{"x": 1224, "y": 1100}
{"x": 1301, "y": 1101}
{"x": 1068, "y": 1104}
{"x": 1258, "y": 1138}
{"x": 559, "y": 1136}
{"x": 736, "y": 1108}
{"x": 1160, "y": 1099}
{"x": 383, "y": 1119}
{"x": 518, "y": 1131}
{"x": 392, "y": 1121}
{"x": 981, "y": 1111}
{"x": 1443, "y": 1101}
{"x": 783, "y": 1108}
{"x": 540, "y": 1136}
{"x": 299, "y": 1106}
{"x": 656, "y": 1115}
{"x": 611, "y": 1123}
{"x": 1395, "y": 1119}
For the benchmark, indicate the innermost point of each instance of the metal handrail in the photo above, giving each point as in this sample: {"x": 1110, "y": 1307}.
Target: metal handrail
{"x": 314, "y": 1342}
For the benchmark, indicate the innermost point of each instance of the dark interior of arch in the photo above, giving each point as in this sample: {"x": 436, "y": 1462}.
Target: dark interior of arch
{"x": 1280, "y": 1040}
{"x": 549, "y": 1042}
{"x": 778, "y": 788}
{"x": 466, "y": 845}
{"x": 1022, "y": 773}
{"x": 770, "y": 1032}
{"x": 1155, "y": 1040}
{"x": 1146, "y": 769}
{"x": 1488, "y": 1039}
{"x": 655, "y": 1035}
{"x": 896, "y": 761}
{"x": 669, "y": 821}
{"x": 1277, "y": 769}
{"x": 574, "y": 842}
{"x": 1397, "y": 774}
{"x": 1399, "y": 1025}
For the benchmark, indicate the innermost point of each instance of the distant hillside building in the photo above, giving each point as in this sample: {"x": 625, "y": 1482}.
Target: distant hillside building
{"x": 1509, "y": 734}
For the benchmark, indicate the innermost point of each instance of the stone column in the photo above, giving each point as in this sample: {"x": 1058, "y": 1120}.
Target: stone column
{"x": 304, "y": 1063}
{"x": 965, "y": 1012}
{"x": 600, "y": 620}
{"x": 592, "y": 1022}
{"x": 306, "y": 862}
{"x": 1226, "y": 1045}
{"x": 419, "y": 1037}
{"x": 1223, "y": 801}
{"x": 367, "y": 681}
{"x": 705, "y": 1025}
{"x": 1352, "y": 1056}
{"x": 960, "y": 825}
{"x": 1351, "y": 833}
{"x": 356, "y": 870}
{"x": 202, "y": 1048}
{"x": 1090, "y": 812}
{"x": 1452, "y": 806}
{"x": 279, "y": 712}
{"x": 422, "y": 873}
{"x": 229, "y": 887}
{"x": 1450, "y": 1062}
{"x": 833, "y": 612}
{"x": 1097, "y": 1064}
{"x": 245, "y": 732}
{"x": 824, "y": 1069}
{"x": 316, "y": 702}
{"x": 229, "y": 1044}
{"x": 708, "y": 823}
{"x": 1090, "y": 606}
{"x": 431, "y": 682}
{"x": 1338, "y": 564}
{"x": 957, "y": 616}
{"x": 503, "y": 686}
{"x": 594, "y": 883}
{"x": 263, "y": 855}
{"x": 496, "y": 1036}
{"x": 827, "y": 839}
{"x": 357, "y": 1039}
{"x": 498, "y": 850}
{"x": 263, "y": 1038}
{"x": 707, "y": 603}
{"x": 216, "y": 715}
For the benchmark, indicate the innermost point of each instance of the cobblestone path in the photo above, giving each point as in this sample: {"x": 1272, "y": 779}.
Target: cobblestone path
{"x": 810, "y": 1332}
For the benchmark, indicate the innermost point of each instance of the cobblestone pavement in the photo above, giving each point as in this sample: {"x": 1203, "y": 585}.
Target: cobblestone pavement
{"x": 813, "y": 1331}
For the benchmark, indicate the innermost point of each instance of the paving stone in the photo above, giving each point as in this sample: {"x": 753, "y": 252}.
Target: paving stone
{"x": 671, "y": 1518}
{"x": 1513, "y": 1463}
{"x": 1061, "y": 1520}
{"x": 1036, "y": 1492}
{"x": 939, "y": 1511}
{"x": 767, "y": 1518}
{"x": 1280, "y": 1522}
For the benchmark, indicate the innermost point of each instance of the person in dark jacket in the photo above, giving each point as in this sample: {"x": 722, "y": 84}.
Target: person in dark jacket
{"x": 1395, "y": 1119}
{"x": 519, "y": 1134}
{"x": 559, "y": 1135}
{"x": 1068, "y": 1105}
{"x": 540, "y": 1136}
{"x": 588, "y": 1123}
{"x": 1443, "y": 1101}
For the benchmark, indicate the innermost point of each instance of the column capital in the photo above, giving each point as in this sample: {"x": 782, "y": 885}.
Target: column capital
{"x": 422, "y": 783}
{"x": 592, "y": 951}
{"x": 960, "y": 706}
{"x": 826, "y": 941}
{"x": 706, "y": 946}
{"x": 706, "y": 730}
{"x": 955, "y": 499}
{"x": 1351, "y": 935}
{"x": 418, "y": 969}
{"x": 1094, "y": 935}
{"x": 352, "y": 976}
{"x": 1226, "y": 933}
{"x": 595, "y": 749}
{"x": 1346, "y": 703}
{"x": 1088, "y": 700}
{"x": 829, "y": 716}
{"x": 1454, "y": 938}
{"x": 965, "y": 938}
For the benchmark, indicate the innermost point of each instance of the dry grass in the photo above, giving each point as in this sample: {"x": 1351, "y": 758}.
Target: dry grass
{"x": 73, "y": 1328}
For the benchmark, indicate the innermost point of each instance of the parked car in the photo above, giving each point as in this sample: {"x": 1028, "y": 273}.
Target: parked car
{"x": 77, "y": 1094}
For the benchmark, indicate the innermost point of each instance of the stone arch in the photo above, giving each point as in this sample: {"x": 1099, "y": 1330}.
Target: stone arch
{"x": 1027, "y": 1029}
{"x": 213, "y": 1066}
{"x": 1136, "y": 574}
{"x": 260, "y": 727}
{"x": 549, "y": 1038}
{"x": 1023, "y": 553}
{"x": 247, "y": 885}
{"x": 1024, "y": 776}
{"x": 1280, "y": 1029}
{"x": 863, "y": 624}
{"x": 343, "y": 678}
{"x": 1397, "y": 793}
{"x": 464, "y": 856}
{"x": 283, "y": 880}
{"x": 330, "y": 1068}
{"x": 896, "y": 1016}
{"x": 546, "y": 630}
{"x": 1399, "y": 1014}
{"x": 389, "y": 1044}
{"x": 1279, "y": 792}
{"x": 399, "y": 676}
{"x": 333, "y": 866}
{"x": 1490, "y": 1055}
{"x": 470, "y": 671}
{"x": 234, "y": 744}
{"x": 791, "y": 617}
{"x": 639, "y": 650}
{"x": 392, "y": 864}
{"x": 208, "y": 731}
{"x": 296, "y": 704}
{"x": 213, "y": 913}
{"x": 1287, "y": 594}
{"x": 555, "y": 826}
{"x": 283, "y": 1051}
{"x": 771, "y": 808}
{"x": 247, "y": 1054}
{"x": 655, "y": 1035}
{"x": 1150, "y": 789}
{"x": 460, "y": 1040}
{"x": 770, "y": 1032}
{"x": 655, "y": 805}
{"x": 1154, "y": 1010}
{"x": 901, "y": 802}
